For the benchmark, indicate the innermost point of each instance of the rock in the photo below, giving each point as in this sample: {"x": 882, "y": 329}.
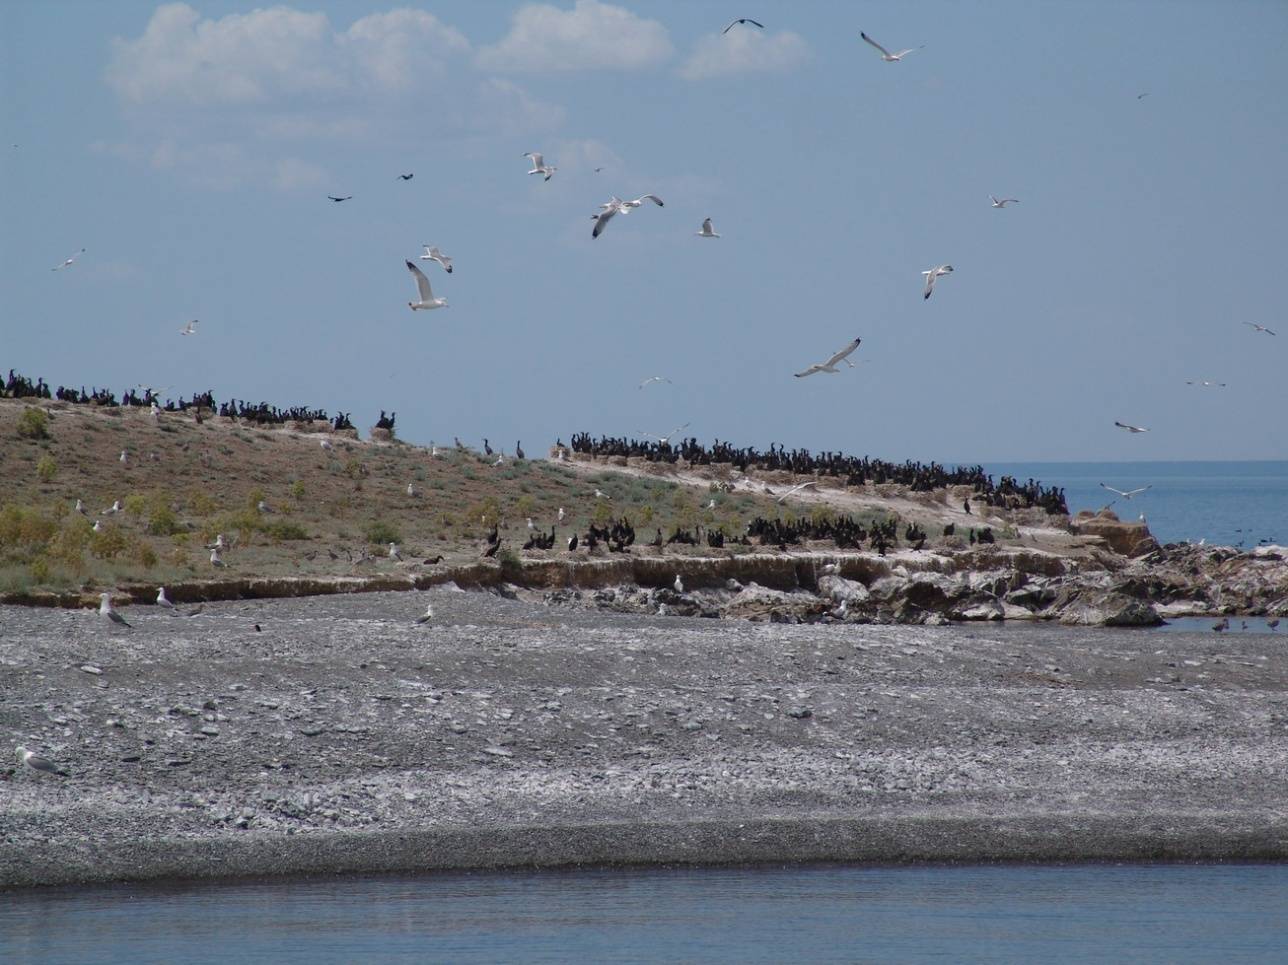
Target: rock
{"x": 1110, "y": 610}
{"x": 800, "y": 713}
{"x": 1125, "y": 539}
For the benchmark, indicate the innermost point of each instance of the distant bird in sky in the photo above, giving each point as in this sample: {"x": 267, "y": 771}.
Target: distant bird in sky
{"x": 616, "y": 206}
{"x": 1140, "y": 96}
{"x": 1259, "y": 328}
{"x": 427, "y": 299}
{"x": 706, "y": 231}
{"x": 1123, "y": 425}
{"x": 1003, "y": 202}
{"x": 429, "y": 615}
{"x": 794, "y": 490}
{"x": 628, "y": 206}
{"x": 597, "y": 170}
{"x": 754, "y": 23}
{"x": 38, "y": 763}
{"x": 338, "y": 200}
{"x": 67, "y": 263}
{"x": 655, "y": 378}
{"x": 406, "y": 177}
{"x": 602, "y": 219}
{"x": 931, "y": 275}
{"x": 1205, "y": 382}
{"x": 105, "y": 610}
{"x": 830, "y": 365}
{"x": 190, "y": 328}
{"x": 433, "y": 254}
{"x": 663, "y": 440}
{"x": 1129, "y": 493}
{"x": 162, "y": 600}
{"x": 885, "y": 54}
{"x": 539, "y": 165}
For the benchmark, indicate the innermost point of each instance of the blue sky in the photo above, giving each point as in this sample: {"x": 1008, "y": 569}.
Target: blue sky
{"x": 190, "y": 148}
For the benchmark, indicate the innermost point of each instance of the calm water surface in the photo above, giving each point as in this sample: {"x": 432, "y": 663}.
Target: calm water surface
{"x": 1095, "y": 913}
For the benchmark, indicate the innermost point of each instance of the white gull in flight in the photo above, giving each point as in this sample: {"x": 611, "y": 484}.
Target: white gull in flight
{"x": 1259, "y": 328}
{"x": 433, "y": 254}
{"x": 1123, "y": 425}
{"x": 190, "y": 328}
{"x": 1002, "y": 202}
{"x": 539, "y": 165}
{"x": 68, "y": 262}
{"x": 830, "y": 364}
{"x": 1129, "y": 493}
{"x": 427, "y": 299}
{"x": 931, "y": 275}
{"x": 885, "y": 54}
{"x": 706, "y": 231}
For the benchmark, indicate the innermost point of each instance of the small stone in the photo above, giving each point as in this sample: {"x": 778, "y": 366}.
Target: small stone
{"x": 800, "y": 713}
{"x": 498, "y": 752}
{"x": 91, "y": 669}
{"x": 210, "y": 730}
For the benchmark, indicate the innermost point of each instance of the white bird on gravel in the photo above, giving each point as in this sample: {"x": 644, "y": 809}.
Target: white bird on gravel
{"x": 830, "y": 364}
{"x": 429, "y": 615}
{"x": 427, "y": 299}
{"x": 393, "y": 552}
{"x": 433, "y": 254}
{"x": 38, "y": 763}
{"x": 1002, "y": 202}
{"x": 885, "y": 54}
{"x": 539, "y": 165}
{"x": 1132, "y": 429}
{"x": 1129, "y": 493}
{"x": 931, "y": 275}
{"x": 678, "y": 584}
{"x": 531, "y": 524}
{"x": 264, "y": 508}
{"x": 162, "y": 600}
{"x": 105, "y": 610}
{"x": 67, "y": 263}
{"x": 215, "y": 559}
{"x": 706, "y": 230}
{"x": 711, "y": 504}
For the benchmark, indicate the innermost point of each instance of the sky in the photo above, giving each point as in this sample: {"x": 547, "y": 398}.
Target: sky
{"x": 190, "y": 148}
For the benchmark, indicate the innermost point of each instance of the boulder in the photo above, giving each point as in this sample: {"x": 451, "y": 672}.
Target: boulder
{"x": 1125, "y": 539}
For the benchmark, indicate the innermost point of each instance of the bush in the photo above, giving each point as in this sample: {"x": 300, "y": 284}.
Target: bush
{"x": 285, "y": 531}
{"x": 135, "y": 504}
{"x": 33, "y": 424}
{"x": 40, "y": 570}
{"x": 162, "y": 522}
{"x": 145, "y": 555}
{"x": 297, "y": 490}
{"x": 202, "y": 504}
{"x": 382, "y": 534}
{"x": 46, "y": 469}
{"x": 108, "y": 543}
{"x": 511, "y": 565}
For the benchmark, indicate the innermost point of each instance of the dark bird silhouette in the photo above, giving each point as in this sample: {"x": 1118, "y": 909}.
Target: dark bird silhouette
{"x": 406, "y": 177}
{"x": 572, "y": 542}
{"x": 486, "y": 448}
{"x": 436, "y": 559}
{"x": 338, "y": 200}
{"x": 754, "y": 23}
{"x": 491, "y": 550}
{"x": 518, "y": 450}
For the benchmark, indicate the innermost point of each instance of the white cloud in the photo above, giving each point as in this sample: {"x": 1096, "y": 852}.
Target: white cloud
{"x": 505, "y": 106}
{"x": 592, "y": 35}
{"x": 743, "y": 51}
{"x": 274, "y": 53}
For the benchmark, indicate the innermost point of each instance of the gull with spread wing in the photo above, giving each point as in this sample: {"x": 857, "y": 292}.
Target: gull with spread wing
{"x": 885, "y": 54}
{"x": 830, "y": 365}
{"x": 427, "y": 299}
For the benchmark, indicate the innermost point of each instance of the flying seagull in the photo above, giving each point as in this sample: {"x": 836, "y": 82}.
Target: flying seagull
{"x": 539, "y": 166}
{"x": 615, "y": 206}
{"x": 932, "y": 275}
{"x": 794, "y": 490}
{"x": 68, "y": 262}
{"x": 628, "y": 206}
{"x": 105, "y": 610}
{"x": 189, "y": 329}
{"x": 602, "y": 219}
{"x": 1003, "y": 202}
{"x": 663, "y": 440}
{"x": 754, "y": 23}
{"x": 37, "y": 763}
{"x": 1123, "y": 425}
{"x": 338, "y": 200}
{"x": 1259, "y": 328}
{"x": 830, "y": 364}
{"x": 885, "y": 54}
{"x": 1205, "y": 382}
{"x": 706, "y": 231}
{"x": 656, "y": 378}
{"x": 427, "y": 299}
{"x": 433, "y": 254}
{"x": 1129, "y": 493}
{"x": 429, "y": 615}
{"x": 407, "y": 177}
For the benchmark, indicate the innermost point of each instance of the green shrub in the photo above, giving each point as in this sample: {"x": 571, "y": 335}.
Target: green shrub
{"x": 145, "y": 555}
{"x": 297, "y": 490}
{"x": 40, "y": 570}
{"x": 46, "y": 469}
{"x": 136, "y": 504}
{"x": 285, "y": 531}
{"x": 108, "y": 543}
{"x": 162, "y": 521}
{"x": 33, "y": 424}
{"x": 382, "y": 533}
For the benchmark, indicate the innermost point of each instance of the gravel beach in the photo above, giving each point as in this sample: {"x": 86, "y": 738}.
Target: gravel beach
{"x": 332, "y": 734}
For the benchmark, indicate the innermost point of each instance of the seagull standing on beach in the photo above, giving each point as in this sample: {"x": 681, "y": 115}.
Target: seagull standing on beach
{"x": 706, "y": 231}
{"x": 162, "y": 600}
{"x": 1132, "y": 429}
{"x": 105, "y": 610}
{"x": 215, "y": 559}
{"x": 885, "y": 54}
{"x": 429, "y": 615}
{"x": 931, "y": 275}
{"x": 754, "y": 23}
{"x": 433, "y": 254}
{"x": 1003, "y": 202}
{"x": 38, "y": 763}
{"x": 539, "y": 165}
{"x": 67, "y": 263}
{"x": 427, "y": 299}
{"x": 393, "y": 552}
{"x": 1259, "y": 328}
{"x": 830, "y": 365}
{"x": 678, "y": 584}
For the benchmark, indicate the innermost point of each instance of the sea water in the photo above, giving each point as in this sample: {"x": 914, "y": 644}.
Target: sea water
{"x": 1083, "y": 913}
{"x": 1226, "y": 503}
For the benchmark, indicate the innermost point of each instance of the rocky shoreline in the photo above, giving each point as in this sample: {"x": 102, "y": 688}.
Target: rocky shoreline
{"x": 332, "y": 734}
